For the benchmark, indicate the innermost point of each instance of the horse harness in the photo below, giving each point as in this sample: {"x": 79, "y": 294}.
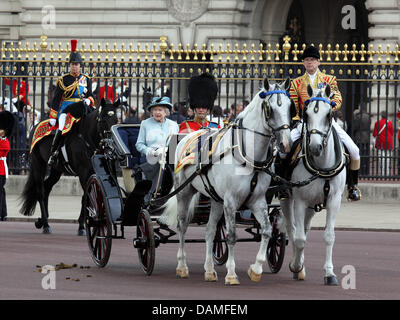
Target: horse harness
{"x": 308, "y": 161}
{"x": 238, "y": 149}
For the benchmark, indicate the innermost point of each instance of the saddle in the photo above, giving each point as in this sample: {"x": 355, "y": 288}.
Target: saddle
{"x": 44, "y": 129}
{"x": 201, "y": 147}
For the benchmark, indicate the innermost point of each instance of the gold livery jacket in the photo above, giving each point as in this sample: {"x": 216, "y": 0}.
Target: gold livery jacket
{"x": 298, "y": 90}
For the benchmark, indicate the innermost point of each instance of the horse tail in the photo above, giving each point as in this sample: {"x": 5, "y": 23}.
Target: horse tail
{"x": 169, "y": 216}
{"x": 29, "y": 196}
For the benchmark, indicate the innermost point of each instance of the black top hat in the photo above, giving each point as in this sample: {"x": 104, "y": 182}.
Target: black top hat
{"x": 203, "y": 91}
{"x": 311, "y": 51}
{"x": 74, "y": 56}
{"x": 7, "y": 121}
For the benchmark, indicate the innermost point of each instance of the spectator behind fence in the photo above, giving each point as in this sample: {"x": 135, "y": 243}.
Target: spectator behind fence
{"x": 339, "y": 117}
{"x": 176, "y": 114}
{"x": 6, "y": 127}
{"x": 398, "y": 138}
{"x": 361, "y": 132}
{"x": 383, "y": 134}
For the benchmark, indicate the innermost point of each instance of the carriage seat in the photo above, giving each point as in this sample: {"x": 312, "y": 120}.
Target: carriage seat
{"x": 124, "y": 137}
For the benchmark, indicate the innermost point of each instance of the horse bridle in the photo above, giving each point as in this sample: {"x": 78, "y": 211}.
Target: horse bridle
{"x": 102, "y": 122}
{"x": 324, "y": 135}
{"x": 266, "y": 107}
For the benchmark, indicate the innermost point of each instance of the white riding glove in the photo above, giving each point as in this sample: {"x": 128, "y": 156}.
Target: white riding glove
{"x": 53, "y": 122}
{"x": 87, "y": 102}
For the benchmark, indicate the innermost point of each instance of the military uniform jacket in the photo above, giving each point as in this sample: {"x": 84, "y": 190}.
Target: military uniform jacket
{"x": 191, "y": 125}
{"x": 4, "y": 149}
{"x": 70, "y": 90}
{"x": 298, "y": 90}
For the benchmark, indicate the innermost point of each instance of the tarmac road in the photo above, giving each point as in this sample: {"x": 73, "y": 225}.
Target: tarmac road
{"x": 373, "y": 256}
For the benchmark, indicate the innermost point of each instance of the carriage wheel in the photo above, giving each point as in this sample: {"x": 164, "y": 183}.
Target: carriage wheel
{"x": 145, "y": 242}
{"x": 276, "y": 244}
{"x": 220, "y": 248}
{"x": 97, "y": 222}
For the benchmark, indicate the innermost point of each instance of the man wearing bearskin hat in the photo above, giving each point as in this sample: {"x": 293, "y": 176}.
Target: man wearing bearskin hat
{"x": 71, "y": 88}
{"x": 203, "y": 91}
{"x": 6, "y": 128}
{"x": 318, "y": 80}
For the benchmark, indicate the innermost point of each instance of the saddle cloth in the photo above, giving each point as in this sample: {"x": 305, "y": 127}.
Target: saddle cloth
{"x": 44, "y": 129}
{"x": 200, "y": 147}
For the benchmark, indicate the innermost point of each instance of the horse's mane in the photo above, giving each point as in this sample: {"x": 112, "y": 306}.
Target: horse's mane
{"x": 250, "y": 107}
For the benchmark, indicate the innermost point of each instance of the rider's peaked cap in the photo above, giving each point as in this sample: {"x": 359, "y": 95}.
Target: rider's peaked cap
{"x": 7, "y": 121}
{"x": 74, "y": 56}
{"x": 203, "y": 91}
{"x": 162, "y": 102}
{"x": 311, "y": 51}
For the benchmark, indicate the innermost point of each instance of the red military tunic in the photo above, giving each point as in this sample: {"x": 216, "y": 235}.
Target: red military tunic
{"x": 384, "y": 138}
{"x": 22, "y": 91}
{"x": 191, "y": 125}
{"x": 110, "y": 93}
{"x": 4, "y": 149}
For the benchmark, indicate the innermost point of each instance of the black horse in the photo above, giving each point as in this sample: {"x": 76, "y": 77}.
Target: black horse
{"x": 81, "y": 143}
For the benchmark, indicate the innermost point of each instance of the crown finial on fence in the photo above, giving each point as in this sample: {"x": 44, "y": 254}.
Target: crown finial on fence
{"x": 43, "y": 45}
{"x": 163, "y": 46}
{"x": 286, "y": 47}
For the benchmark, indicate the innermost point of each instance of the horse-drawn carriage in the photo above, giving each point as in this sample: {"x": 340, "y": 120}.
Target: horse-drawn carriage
{"x": 109, "y": 208}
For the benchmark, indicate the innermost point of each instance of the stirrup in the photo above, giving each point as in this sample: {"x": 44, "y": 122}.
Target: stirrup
{"x": 354, "y": 194}
{"x": 52, "y": 158}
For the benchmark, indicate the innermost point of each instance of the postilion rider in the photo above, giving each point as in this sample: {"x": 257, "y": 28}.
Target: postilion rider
{"x": 203, "y": 91}
{"x": 71, "y": 88}
{"x": 319, "y": 80}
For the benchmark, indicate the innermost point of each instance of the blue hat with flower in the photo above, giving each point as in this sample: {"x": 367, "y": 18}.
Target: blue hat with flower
{"x": 160, "y": 101}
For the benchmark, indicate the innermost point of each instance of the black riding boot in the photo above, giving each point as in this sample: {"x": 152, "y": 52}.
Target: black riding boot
{"x": 354, "y": 194}
{"x": 55, "y": 145}
{"x": 281, "y": 169}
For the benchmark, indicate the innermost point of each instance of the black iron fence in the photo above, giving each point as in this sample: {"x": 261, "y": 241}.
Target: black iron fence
{"x": 367, "y": 79}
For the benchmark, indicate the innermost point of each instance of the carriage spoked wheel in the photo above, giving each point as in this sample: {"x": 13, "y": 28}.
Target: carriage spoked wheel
{"x": 144, "y": 241}
{"x": 276, "y": 244}
{"x": 97, "y": 222}
{"x": 220, "y": 248}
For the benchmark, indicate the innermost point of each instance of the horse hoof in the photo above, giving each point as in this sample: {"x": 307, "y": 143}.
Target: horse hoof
{"x": 182, "y": 273}
{"x": 331, "y": 281}
{"x": 254, "y": 276}
{"x": 81, "y": 232}
{"x": 301, "y": 275}
{"x": 38, "y": 223}
{"x": 46, "y": 230}
{"x": 232, "y": 280}
{"x": 210, "y": 276}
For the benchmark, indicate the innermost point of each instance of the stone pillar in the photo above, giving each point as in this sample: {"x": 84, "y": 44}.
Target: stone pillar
{"x": 385, "y": 30}
{"x": 10, "y": 22}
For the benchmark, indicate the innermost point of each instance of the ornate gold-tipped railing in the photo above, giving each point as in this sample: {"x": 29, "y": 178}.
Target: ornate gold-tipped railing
{"x": 228, "y": 53}
{"x": 347, "y": 62}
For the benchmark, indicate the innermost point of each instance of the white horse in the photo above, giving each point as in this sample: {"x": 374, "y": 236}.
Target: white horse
{"x": 242, "y": 153}
{"x": 322, "y": 157}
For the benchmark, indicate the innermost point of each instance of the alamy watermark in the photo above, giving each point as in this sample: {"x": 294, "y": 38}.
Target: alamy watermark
{"x": 48, "y": 17}
{"x": 349, "y": 280}
{"x": 349, "y": 18}
{"x": 49, "y": 280}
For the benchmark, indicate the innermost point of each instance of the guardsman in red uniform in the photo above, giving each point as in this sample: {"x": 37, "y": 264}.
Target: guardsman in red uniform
{"x": 6, "y": 127}
{"x": 71, "y": 88}
{"x": 203, "y": 91}
{"x": 110, "y": 96}
{"x": 21, "y": 92}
